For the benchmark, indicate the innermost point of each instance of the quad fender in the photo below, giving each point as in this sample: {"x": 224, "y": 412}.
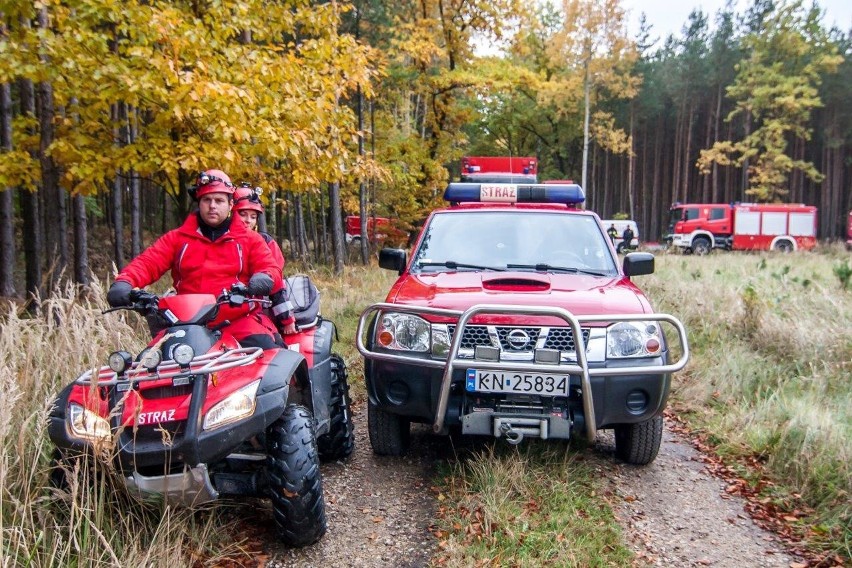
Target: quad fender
{"x": 288, "y": 372}
{"x": 320, "y": 374}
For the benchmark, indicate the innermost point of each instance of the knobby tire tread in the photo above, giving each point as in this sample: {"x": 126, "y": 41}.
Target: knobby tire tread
{"x": 295, "y": 482}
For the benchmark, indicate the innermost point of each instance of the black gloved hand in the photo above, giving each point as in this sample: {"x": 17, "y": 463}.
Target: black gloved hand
{"x": 260, "y": 284}
{"x": 118, "y": 295}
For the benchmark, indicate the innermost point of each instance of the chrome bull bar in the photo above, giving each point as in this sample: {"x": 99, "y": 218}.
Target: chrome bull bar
{"x": 581, "y": 367}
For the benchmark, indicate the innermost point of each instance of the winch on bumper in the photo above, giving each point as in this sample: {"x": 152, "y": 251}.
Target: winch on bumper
{"x": 428, "y": 388}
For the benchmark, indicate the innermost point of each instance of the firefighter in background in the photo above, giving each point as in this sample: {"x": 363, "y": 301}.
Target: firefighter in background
{"x": 612, "y": 232}
{"x": 248, "y": 206}
{"x": 209, "y": 253}
{"x": 627, "y": 238}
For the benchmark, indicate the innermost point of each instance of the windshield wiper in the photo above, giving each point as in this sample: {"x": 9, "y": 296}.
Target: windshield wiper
{"x": 453, "y": 265}
{"x": 544, "y": 267}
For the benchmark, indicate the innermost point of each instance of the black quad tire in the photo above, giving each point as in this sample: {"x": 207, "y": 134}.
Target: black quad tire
{"x": 701, "y": 246}
{"x": 784, "y": 246}
{"x": 390, "y": 434}
{"x": 638, "y": 444}
{"x": 295, "y": 482}
{"x": 339, "y": 441}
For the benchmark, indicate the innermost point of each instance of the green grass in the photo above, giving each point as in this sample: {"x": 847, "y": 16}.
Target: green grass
{"x": 771, "y": 370}
{"x": 535, "y": 505}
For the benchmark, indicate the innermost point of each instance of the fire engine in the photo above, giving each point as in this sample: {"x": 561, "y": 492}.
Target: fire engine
{"x": 849, "y": 231}
{"x": 499, "y": 169}
{"x": 379, "y": 230}
{"x": 701, "y": 227}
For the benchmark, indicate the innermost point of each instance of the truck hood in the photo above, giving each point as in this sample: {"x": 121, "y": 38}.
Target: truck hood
{"x": 579, "y": 294}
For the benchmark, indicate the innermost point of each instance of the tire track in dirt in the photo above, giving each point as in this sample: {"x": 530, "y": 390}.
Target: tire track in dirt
{"x": 379, "y": 509}
{"x": 675, "y": 513}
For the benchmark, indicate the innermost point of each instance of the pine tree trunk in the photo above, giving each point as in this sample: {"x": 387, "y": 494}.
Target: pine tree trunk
{"x": 716, "y": 123}
{"x": 311, "y": 222}
{"x": 32, "y": 232}
{"x": 55, "y": 216}
{"x": 656, "y": 187}
{"x": 7, "y": 203}
{"x": 135, "y": 193}
{"x": 630, "y": 165}
{"x": 323, "y": 230}
{"x": 337, "y": 240}
{"x": 81, "y": 245}
{"x": 687, "y": 165}
{"x": 362, "y": 188}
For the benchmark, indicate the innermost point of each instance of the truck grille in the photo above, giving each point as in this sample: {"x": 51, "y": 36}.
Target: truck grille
{"x": 561, "y": 338}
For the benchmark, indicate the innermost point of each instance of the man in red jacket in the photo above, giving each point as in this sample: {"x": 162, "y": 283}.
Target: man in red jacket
{"x": 207, "y": 254}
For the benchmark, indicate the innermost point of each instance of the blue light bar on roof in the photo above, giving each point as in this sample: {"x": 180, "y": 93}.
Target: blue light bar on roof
{"x": 567, "y": 193}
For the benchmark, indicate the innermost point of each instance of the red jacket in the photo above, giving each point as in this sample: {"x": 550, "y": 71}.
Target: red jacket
{"x": 275, "y": 249}
{"x": 202, "y": 266}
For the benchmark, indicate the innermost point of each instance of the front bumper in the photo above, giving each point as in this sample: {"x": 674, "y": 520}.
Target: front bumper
{"x": 190, "y": 488}
{"x": 430, "y": 389}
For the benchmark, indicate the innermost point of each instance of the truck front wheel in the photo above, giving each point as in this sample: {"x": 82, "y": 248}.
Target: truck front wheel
{"x": 701, "y": 246}
{"x": 638, "y": 444}
{"x": 390, "y": 434}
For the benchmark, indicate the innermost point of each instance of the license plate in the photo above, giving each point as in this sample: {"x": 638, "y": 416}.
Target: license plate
{"x": 517, "y": 383}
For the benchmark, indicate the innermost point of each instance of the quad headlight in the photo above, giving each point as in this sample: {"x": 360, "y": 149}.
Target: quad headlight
{"x": 183, "y": 354}
{"x": 403, "y": 332}
{"x": 120, "y": 361}
{"x": 237, "y": 405}
{"x": 633, "y": 339}
{"x": 151, "y": 358}
{"x": 87, "y": 425}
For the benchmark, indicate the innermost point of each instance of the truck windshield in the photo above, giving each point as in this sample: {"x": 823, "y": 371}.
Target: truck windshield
{"x": 518, "y": 240}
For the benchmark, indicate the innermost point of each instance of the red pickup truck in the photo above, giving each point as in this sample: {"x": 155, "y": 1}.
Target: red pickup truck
{"x": 513, "y": 318}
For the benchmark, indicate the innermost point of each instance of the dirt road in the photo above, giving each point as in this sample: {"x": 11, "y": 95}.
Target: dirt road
{"x": 674, "y": 513}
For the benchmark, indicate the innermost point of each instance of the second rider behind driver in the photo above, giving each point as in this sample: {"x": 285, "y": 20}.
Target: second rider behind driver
{"x": 248, "y": 206}
{"x": 209, "y": 253}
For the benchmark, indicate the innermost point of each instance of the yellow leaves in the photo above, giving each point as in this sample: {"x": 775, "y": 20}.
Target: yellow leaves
{"x": 609, "y": 137}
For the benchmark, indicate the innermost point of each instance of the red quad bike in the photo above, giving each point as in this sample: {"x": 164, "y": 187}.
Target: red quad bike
{"x": 196, "y": 416}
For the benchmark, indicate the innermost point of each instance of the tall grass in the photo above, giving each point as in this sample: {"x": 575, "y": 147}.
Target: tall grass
{"x": 93, "y": 522}
{"x": 771, "y": 368}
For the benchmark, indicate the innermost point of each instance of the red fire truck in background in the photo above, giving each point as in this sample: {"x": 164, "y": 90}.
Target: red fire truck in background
{"x": 499, "y": 169}
{"x": 379, "y": 229}
{"x": 849, "y": 231}
{"x": 701, "y": 227}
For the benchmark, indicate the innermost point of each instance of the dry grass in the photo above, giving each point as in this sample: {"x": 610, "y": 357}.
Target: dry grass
{"x": 771, "y": 372}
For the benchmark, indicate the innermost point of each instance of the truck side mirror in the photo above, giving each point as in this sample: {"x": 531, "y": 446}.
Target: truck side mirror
{"x": 638, "y": 263}
{"x": 393, "y": 259}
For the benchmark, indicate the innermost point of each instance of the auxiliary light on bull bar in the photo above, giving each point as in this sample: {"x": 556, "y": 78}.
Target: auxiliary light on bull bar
{"x": 565, "y": 193}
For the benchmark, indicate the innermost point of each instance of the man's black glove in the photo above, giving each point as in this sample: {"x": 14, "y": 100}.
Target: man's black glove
{"x": 260, "y": 284}
{"x": 119, "y": 294}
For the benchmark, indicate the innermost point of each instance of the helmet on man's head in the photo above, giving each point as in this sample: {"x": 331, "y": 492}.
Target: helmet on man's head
{"x": 211, "y": 181}
{"x": 247, "y": 198}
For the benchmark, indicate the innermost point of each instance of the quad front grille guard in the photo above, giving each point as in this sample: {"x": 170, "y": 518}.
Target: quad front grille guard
{"x": 581, "y": 367}
{"x": 212, "y": 362}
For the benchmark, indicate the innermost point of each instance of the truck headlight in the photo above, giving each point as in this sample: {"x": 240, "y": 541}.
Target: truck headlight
{"x": 633, "y": 339}
{"x": 87, "y": 425}
{"x": 403, "y": 332}
{"x": 237, "y": 405}
{"x": 440, "y": 341}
